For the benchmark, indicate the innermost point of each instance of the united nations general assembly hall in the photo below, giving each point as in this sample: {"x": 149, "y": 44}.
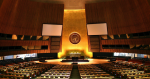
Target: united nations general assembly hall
{"x": 74, "y": 39}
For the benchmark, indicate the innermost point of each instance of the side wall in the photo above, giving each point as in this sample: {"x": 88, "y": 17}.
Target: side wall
{"x": 25, "y": 17}
{"x": 121, "y": 16}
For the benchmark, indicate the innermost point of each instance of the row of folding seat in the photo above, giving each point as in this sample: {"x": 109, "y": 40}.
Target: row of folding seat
{"x": 36, "y": 69}
{"x": 140, "y": 67}
{"x": 123, "y": 71}
{"x": 9, "y": 71}
{"x": 93, "y": 72}
{"x": 24, "y": 72}
{"x": 8, "y": 68}
{"x": 132, "y": 65}
{"x": 40, "y": 67}
{"x": 57, "y": 72}
{"x": 14, "y": 76}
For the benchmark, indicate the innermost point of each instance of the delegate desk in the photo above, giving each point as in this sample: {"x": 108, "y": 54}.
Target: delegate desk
{"x": 75, "y": 58}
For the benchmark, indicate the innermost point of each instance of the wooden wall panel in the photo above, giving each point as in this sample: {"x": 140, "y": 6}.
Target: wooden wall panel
{"x": 23, "y": 52}
{"x": 49, "y": 44}
{"x": 148, "y": 1}
{"x": 55, "y": 48}
{"x": 94, "y": 50}
{"x": 54, "y": 51}
{"x": 145, "y": 41}
{"x": 51, "y": 49}
{"x": 100, "y": 40}
{"x": 94, "y": 43}
{"x": 55, "y": 43}
{"x": 60, "y": 48}
{"x": 95, "y": 46}
{"x": 1, "y": 1}
{"x": 121, "y": 16}
{"x": 22, "y": 43}
{"x": 125, "y": 42}
{"x": 25, "y": 17}
{"x": 89, "y": 44}
{"x": 56, "y": 39}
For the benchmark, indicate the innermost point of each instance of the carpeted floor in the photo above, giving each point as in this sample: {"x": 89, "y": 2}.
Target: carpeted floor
{"x": 75, "y": 73}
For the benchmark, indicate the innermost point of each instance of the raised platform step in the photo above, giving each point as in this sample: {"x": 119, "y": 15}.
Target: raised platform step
{"x": 75, "y": 61}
